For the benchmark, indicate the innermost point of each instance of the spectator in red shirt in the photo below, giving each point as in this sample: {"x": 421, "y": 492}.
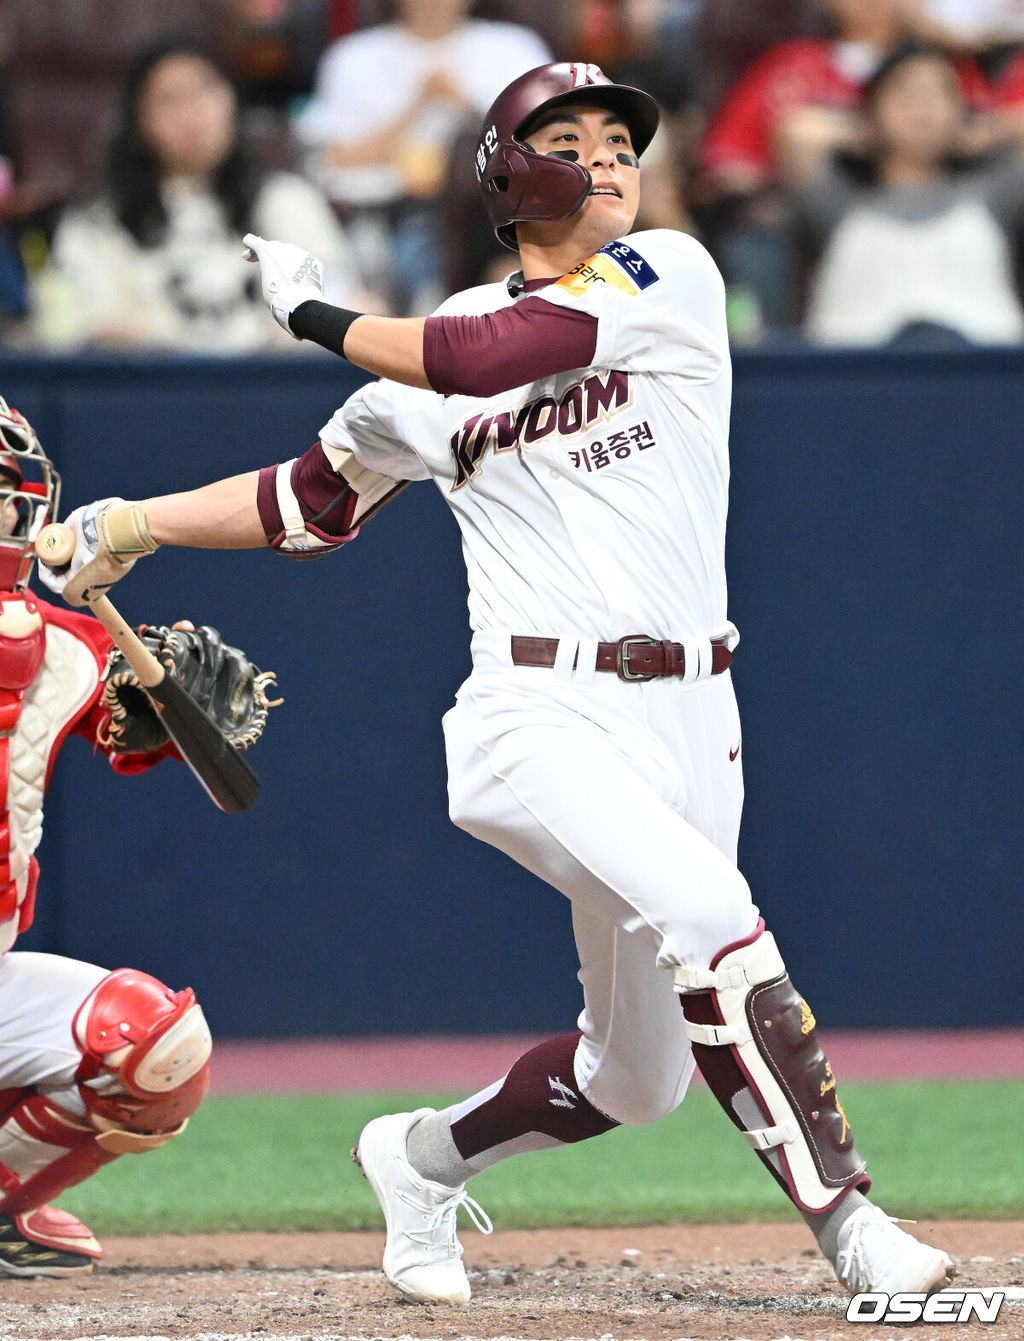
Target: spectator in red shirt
{"x": 817, "y": 82}
{"x": 912, "y": 241}
{"x": 826, "y": 74}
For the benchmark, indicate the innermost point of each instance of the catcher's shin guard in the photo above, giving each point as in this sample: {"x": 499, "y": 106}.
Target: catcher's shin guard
{"x": 43, "y": 1150}
{"x": 753, "y": 1039}
{"x": 144, "y": 1071}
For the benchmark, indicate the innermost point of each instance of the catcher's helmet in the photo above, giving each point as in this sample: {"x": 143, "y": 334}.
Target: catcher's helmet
{"x": 25, "y": 504}
{"x": 520, "y": 185}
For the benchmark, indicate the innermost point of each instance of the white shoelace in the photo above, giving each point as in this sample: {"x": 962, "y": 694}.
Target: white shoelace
{"x": 438, "y": 1214}
{"x": 849, "y": 1263}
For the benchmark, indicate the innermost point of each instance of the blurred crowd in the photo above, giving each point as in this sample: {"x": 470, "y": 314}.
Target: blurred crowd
{"x": 856, "y": 167}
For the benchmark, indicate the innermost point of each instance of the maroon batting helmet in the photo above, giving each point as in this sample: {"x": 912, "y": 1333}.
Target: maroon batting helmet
{"x": 518, "y": 184}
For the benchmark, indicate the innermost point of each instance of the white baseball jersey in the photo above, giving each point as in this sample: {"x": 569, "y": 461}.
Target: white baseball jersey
{"x": 592, "y": 502}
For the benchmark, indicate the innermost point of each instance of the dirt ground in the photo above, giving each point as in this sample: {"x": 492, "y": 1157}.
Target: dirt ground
{"x": 761, "y": 1282}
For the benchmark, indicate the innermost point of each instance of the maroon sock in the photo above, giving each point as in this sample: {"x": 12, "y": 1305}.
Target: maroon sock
{"x": 536, "y": 1106}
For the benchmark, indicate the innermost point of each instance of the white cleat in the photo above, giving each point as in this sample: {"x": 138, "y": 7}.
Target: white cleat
{"x": 422, "y": 1255}
{"x": 875, "y": 1254}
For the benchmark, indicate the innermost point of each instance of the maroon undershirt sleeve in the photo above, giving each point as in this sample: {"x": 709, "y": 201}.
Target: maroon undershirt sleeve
{"x": 480, "y": 356}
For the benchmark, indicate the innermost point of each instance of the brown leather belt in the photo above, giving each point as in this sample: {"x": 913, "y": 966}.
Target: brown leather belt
{"x": 631, "y": 658}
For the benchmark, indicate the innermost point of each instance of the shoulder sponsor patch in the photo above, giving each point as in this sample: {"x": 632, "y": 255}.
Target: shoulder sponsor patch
{"x": 617, "y": 264}
{"x": 598, "y": 270}
{"x": 632, "y": 263}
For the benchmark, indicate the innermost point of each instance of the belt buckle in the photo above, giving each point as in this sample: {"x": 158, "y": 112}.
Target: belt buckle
{"x": 624, "y": 647}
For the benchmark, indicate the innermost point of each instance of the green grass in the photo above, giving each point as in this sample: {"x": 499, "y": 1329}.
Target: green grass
{"x": 281, "y": 1163}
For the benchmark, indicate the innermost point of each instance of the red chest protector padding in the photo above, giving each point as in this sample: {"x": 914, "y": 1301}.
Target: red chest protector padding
{"x": 22, "y": 642}
{"x": 156, "y": 1041}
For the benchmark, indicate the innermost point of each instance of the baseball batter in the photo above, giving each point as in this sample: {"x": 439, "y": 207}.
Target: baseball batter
{"x": 93, "y": 1064}
{"x": 576, "y": 420}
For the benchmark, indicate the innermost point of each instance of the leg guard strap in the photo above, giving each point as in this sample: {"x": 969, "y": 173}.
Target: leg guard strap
{"x": 717, "y": 1035}
{"x": 769, "y": 1137}
{"x": 753, "y": 1039}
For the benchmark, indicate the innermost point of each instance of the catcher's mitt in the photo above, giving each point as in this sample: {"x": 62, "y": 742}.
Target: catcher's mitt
{"x": 220, "y": 678}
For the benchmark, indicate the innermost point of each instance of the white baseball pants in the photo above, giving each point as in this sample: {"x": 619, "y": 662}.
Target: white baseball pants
{"x": 626, "y": 797}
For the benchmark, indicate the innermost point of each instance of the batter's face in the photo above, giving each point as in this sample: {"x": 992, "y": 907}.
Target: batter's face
{"x": 599, "y": 140}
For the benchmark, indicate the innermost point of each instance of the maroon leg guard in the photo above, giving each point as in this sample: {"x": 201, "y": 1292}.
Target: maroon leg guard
{"x": 754, "y": 1040}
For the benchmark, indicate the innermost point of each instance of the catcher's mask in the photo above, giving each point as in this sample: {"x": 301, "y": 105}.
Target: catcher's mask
{"x": 520, "y": 185}
{"x": 26, "y": 505}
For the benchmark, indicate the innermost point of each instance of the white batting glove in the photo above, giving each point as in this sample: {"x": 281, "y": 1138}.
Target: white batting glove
{"x": 289, "y": 276}
{"x": 110, "y": 535}
{"x": 87, "y": 543}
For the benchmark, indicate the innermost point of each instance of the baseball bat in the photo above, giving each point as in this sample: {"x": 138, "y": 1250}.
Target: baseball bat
{"x": 224, "y": 774}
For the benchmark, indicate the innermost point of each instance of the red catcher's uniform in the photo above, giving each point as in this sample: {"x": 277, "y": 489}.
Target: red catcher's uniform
{"x": 93, "y": 1064}
{"x": 68, "y": 1104}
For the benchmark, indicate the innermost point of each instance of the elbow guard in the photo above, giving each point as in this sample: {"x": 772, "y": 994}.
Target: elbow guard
{"x": 306, "y": 509}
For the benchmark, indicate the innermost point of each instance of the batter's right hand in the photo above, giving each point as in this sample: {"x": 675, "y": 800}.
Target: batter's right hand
{"x": 83, "y": 522}
{"x": 110, "y": 535}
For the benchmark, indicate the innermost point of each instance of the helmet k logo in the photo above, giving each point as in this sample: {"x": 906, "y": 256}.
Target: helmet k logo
{"x": 583, "y": 74}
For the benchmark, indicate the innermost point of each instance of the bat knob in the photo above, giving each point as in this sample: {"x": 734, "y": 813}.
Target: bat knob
{"x": 55, "y": 545}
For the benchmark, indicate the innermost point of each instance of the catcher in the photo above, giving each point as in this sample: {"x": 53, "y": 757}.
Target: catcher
{"x": 93, "y": 1064}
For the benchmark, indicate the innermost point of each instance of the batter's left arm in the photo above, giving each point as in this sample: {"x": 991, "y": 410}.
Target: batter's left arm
{"x": 469, "y": 356}
{"x": 222, "y": 515}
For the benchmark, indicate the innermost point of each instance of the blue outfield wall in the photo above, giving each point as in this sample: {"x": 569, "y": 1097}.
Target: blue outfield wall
{"x": 876, "y": 574}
